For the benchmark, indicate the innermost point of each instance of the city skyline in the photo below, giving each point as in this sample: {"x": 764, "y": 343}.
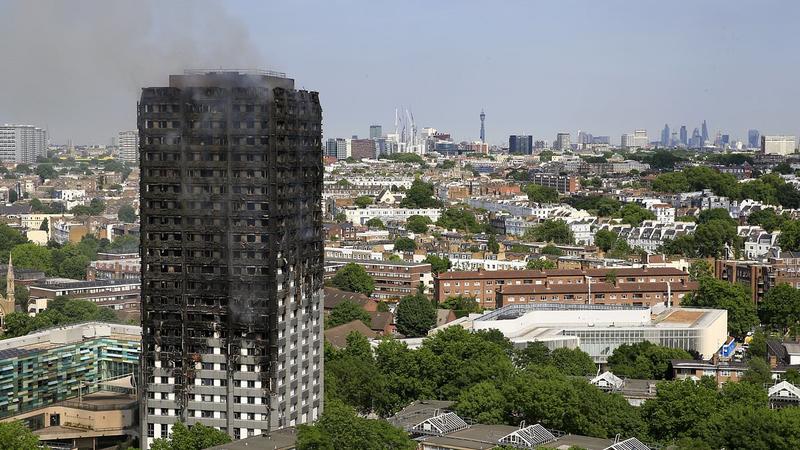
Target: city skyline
{"x": 572, "y": 80}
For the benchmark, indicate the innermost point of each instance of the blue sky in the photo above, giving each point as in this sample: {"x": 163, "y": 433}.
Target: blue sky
{"x": 535, "y": 67}
{"x": 541, "y": 67}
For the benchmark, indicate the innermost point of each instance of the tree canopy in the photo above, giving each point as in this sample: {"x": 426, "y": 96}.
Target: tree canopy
{"x": 556, "y": 231}
{"x": 195, "y": 437}
{"x": 541, "y": 194}
{"x": 346, "y": 312}
{"x": 438, "y": 264}
{"x": 353, "y": 278}
{"x": 419, "y": 195}
{"x": 459, "y": 219}
{"x": 416, "y": 315}
{"x": 16, "y": 436}
{"x": 644, "y": 360}
{"x": 404, "y": 244}
{"x": 418, "y": 224}
{"x": 60, "y": 311}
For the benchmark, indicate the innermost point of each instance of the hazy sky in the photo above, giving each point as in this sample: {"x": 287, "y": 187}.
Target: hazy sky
{"x": 535, "y": 67}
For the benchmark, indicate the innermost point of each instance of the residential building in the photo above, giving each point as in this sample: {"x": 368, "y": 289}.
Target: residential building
{"x": 778, "y": 145}
{"x": 117, "y": 269}
{"x": 758, "y": 243}
{"x": 128, "y": 142}
{"x": 563, "y": 184}
{"x": 22, "y": 143}
{"x": 120, "y": 295}
{"x": 393, "y": 279}
{"x": 93, "y": 405}
{"x": 600, "y": 292}
{"x": 652, "y": 234}
{"x": 361, "y": 215}
{"x": 483, "y": 285}
{"x": 232, "y": 249}
{"x": 362, "y": 149}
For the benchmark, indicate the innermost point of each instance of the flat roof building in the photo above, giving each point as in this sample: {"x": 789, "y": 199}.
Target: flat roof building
{"x": 599, "y": 329}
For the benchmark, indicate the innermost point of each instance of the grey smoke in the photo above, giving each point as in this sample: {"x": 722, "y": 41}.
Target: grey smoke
{"x": 77, "y": 67}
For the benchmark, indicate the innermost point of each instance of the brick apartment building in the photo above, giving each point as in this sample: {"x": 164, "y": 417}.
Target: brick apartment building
{"x": 760, "y": 277}
{"x": 563, "y": 184}
{"x": 490, "y": 286}
{"x": 393, "y": 279}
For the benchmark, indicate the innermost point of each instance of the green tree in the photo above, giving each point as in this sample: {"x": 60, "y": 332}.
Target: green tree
{"x": 45, "y": 226}
{"x": 546, "y": 156}
{"x": 32, "y": 256}
{"x": 573, "y": 362}
{"x": 16, "y": 436}
{"x": 482, "y": 402}
{"x": 541, "y": 194}
{"x": 195, "y": 437}
{"x": 461, "y": 303}
{"x": 375, "y": 223}
{"x": 535, "y": 353}
{"x": 711, "y": 238}
{"x": 438, "y": 264}
{"x": 644, "y": 360}
{"x": 404, "y": 244}
{"x": 681, "y": 409}
{"x": 605, "y": 239}
{"x": 415, "y": 315}
{"x": 700, "y": 269}
{"x": 780, "y": 308}
{"x": 758, "y": 345}
{"x": 419, "y": 195}
{"x": 9, "y": 238}
{"x": 555, "y": 231}
{"x": 340, "y": 428}
{"x": 718, "y": 294}
{"x": 346, "y": 312}
{"x": 633, "y": 214}
{"x": 551, "y": 249}
{"x": 418, "y": 224}
{"x": 363, "y": 201}
{"x": 758, "y": 373}
{"x": 492, "y": 244}
{"x": 540, "y": 264}
{"x": 353, "y": 278}
{"x": 12, "y": 196}
{"x": 789, "y": 240}
{"x": 459, "y": 219}
{"x": 707, "y": 215}
{"x": 46, "y": 171}
{"x": 96, "y": 206}
{"x": 671, "y": 182}
{"x": 126, "y": 214}
{"x": 767, "y": 219}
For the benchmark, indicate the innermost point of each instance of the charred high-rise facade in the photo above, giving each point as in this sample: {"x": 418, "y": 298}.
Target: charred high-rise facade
{"x": 232, "y": 246}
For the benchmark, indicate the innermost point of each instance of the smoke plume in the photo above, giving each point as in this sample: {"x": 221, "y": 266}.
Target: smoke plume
{"x": 78, "y": 67}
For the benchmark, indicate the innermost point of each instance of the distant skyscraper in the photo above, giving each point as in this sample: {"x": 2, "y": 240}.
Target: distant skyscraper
{"x": 601, "y": 140}
{"x": 584, "y": 137}
{"x": 232, "y": 248}
{"x": 684, "y": 136}
{"x": 640, "y": 139}
{"x": 665, "y": 136}
{"x": 129, "y": 145}
{"x": 562, "y": 142}
{"x": 704, "y": 134}
{"x": 753, "y": 138}
{"x": 726, "y": 139}
{"x": 483, "y": 129}
{"x": 375, "y": 131}
{"x": 22, "y": 143}
{"x": 697, "y": 139}
{"x": 520, "y": 144}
